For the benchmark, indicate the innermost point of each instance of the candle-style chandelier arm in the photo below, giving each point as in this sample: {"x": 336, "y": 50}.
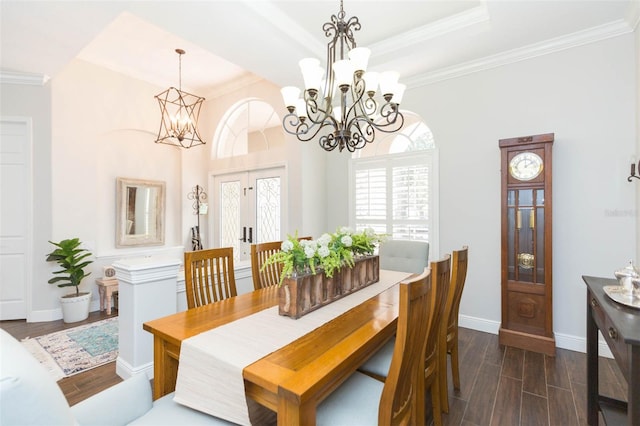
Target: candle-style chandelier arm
{"x": 393, "y": 119}
{"x": 309, "y": 119}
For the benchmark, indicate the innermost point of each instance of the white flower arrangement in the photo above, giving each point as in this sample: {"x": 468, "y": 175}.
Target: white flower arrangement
{"x": 329, "y": 252}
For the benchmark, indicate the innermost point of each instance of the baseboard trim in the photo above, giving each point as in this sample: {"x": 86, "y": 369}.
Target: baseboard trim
{"x": 564, "y": 341}
{"x": 56, "y": 314}
{"x": 126, "y": 370}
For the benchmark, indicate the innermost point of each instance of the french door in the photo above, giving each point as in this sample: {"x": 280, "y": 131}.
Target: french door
{"x": 249, "y": 209}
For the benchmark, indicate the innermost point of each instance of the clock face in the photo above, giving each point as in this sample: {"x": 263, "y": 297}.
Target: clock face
{"x": 109, "y": 272}
{"x": 525, "y": 166}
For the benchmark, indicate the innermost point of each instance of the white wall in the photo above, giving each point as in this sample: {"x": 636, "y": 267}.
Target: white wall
{"x": 586, "y": 96}
{"x": 102, "y": 126}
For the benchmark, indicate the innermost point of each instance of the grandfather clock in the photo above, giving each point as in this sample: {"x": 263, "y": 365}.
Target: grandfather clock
{"x": 526, "y": 278}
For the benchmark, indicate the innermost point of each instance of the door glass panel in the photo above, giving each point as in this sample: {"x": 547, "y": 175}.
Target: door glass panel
{"x": 525, "y": 197}
{"x": 267, "y": 209}
{"x": 230, "y": 214}
{"x": 251, "y": 209}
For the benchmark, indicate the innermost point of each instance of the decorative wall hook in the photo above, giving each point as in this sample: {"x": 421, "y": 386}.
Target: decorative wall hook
{"x": 633, "y": 174}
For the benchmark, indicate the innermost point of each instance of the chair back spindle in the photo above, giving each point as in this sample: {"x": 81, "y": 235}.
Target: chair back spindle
{"x": 266, "y": 276}
{"x": 270, "y": 274}
{"x": 209, "y": 276}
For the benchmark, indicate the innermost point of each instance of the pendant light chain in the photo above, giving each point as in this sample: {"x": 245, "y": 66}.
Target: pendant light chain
{"x": 180, "y": 52}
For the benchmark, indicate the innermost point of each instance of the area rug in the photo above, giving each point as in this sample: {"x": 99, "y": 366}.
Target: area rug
{"x": 78, "y": 349}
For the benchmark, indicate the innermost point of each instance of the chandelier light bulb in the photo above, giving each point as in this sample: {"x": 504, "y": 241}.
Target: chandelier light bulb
{"x": 371, "y": 82}
{"x": 398, "y": 93}
{"x": 359, "y": 56}
{"x": 343, "y": 72}
{"x": 312, "y": 73}
{"x": 388, "y": 82}
{"x": 301, "y": 108}
{"x": 290, "y": 95}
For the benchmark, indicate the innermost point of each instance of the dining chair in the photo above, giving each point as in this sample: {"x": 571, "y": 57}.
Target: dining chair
{"x": 270, "y": 274}
{"x": 378, "y": 365}
{"x": 209, "y": 276}
{"x": 449, "y": 329}
{"x": 404, "y": 255}
{"x": 400, "y": 399}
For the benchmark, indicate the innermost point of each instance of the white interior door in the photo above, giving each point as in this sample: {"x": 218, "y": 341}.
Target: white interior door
{"x": 15, "y": 217}
{"x": 251, "y": 206}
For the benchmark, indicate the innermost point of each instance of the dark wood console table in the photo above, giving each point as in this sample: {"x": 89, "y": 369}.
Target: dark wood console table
{"x": 620, "y": 326}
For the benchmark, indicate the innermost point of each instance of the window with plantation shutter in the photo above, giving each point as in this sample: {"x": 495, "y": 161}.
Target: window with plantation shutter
{"x": 393, "y": 190}
{"x": 371, "y": 200}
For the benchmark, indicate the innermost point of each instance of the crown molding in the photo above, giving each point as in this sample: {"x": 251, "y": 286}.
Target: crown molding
{"x": 633, "y": 14}
{"x": 436, "y": 29}
{"x": 14, "y": 77}
{"x": 602, "y": 32}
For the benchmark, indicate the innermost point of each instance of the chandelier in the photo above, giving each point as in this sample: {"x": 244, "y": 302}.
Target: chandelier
{"x": 180, "y": 111}
{"x": 339, "y": 103}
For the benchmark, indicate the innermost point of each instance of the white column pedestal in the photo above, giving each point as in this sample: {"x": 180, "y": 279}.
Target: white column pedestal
{"x": 147, "y": 291}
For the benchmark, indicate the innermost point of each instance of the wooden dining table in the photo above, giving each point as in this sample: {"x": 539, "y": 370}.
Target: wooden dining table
{"x": 293, "y": 380}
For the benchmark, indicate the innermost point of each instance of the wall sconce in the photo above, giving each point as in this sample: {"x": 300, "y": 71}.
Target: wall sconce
{"x": 634, "y": 168}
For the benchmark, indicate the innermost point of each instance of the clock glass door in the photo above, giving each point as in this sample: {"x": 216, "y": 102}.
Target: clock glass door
{"x": 525, "y": 235}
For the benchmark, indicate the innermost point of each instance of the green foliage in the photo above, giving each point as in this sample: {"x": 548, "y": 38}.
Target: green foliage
{"x": 71, "y": 258}
{"x": 330, "y": 252}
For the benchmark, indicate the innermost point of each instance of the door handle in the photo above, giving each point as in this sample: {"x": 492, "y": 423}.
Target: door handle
{"x": 250, "y": 235}
{"x": 244, "y": 234}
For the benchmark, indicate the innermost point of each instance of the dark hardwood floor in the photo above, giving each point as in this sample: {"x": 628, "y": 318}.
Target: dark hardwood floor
{"x": 501, "y": 386}
{"x": 508, "y": 386}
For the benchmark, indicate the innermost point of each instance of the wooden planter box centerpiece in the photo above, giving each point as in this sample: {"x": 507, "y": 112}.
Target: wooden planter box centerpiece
{"x": 305, "y": 293}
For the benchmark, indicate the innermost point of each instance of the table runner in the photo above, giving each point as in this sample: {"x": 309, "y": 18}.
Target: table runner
{"x": 211, "y": 363}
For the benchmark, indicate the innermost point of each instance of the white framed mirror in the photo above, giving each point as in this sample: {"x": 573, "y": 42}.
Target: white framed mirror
{"x": 140, "y": 212}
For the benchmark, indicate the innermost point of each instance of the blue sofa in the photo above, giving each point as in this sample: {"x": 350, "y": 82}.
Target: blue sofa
{"x": 30, "y": 396}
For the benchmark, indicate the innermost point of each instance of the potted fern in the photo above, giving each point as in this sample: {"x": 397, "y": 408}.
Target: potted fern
{"x": 72, "y": 259}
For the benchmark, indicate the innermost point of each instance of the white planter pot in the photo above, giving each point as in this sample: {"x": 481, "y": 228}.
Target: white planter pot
{"x": 74, "y": 308}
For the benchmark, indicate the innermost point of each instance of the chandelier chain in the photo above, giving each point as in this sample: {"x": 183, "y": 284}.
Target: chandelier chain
{"x": 180, "y": 53}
